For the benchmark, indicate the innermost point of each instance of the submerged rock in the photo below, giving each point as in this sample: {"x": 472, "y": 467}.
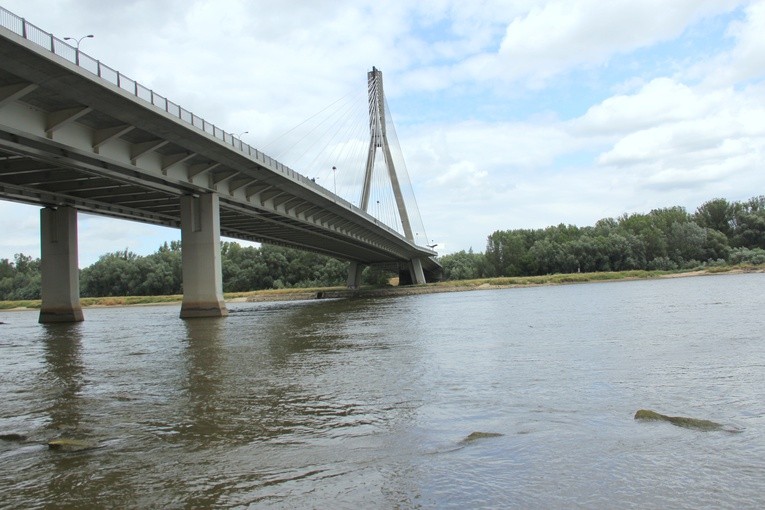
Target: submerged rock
{"x": 474, "y": 436}
{"x": 681, "y": 421}
{"x": 12, "y": 436}
{"x": 71, "y": 445}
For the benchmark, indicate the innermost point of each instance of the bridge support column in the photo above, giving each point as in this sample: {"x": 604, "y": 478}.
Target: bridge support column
{"x": 354, "y": 275}
{"x": 418, "y": 275}
{"x": 60, "y": 276}
{"x": 413, "y": 274}
{"x": 200, "y": 247}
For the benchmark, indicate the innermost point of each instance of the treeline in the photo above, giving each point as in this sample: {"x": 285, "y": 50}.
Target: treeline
{"x": 718, "y": 233}
{"x": 244, "y": 268}
{"x": 123, "y": 273}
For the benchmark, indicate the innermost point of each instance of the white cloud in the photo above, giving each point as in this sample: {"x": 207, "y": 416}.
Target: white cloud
{"x": 647, "y": 140}
{"x": 464, "y": 175}
{"x": 661, "y": 100}
{"x": 675, "y": 136}
{"x": 556, "y": 36}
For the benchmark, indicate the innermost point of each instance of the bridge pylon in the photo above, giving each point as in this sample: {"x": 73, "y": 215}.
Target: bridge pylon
{"x": 378, "y": 139}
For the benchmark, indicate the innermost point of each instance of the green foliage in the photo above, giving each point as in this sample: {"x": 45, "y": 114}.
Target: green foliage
{"x": 124, "y": 273}
{"x": 716, "y": 214}
{"x": 747, "y": 256}
{"x": 376, "y": 276}
{"x": 273, "y": 267}
{"x": 665, "y": 239}
{"x": 464, "y": 265}
{"x": 20, "y": 279}
{"x": 507, "y": 252}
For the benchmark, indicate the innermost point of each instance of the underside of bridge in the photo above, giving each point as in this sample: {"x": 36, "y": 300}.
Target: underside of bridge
{"x": 74, "y": 138}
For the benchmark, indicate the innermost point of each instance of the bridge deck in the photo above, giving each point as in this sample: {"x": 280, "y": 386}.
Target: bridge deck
{"x": 70, "y": 137}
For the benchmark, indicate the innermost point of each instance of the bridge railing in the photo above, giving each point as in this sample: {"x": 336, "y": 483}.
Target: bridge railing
{"x": 30, "y": 32}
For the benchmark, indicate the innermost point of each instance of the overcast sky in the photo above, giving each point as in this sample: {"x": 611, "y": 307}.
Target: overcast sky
{"x": 511, "y": 114}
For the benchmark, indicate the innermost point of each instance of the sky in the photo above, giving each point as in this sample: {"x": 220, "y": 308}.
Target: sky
{"x": 510, "y": 114}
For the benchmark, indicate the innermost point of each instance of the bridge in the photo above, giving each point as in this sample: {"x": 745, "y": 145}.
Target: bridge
{"x": 77, "y": 135}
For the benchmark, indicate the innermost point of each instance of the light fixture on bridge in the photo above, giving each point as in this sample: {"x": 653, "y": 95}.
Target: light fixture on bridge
{"x": 240, "y": 135}
{"x": 77, "y": 42}
{"x": 334, "y": 178}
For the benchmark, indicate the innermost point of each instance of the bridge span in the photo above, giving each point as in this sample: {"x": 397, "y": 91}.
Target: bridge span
{"x": 76, "y": 135}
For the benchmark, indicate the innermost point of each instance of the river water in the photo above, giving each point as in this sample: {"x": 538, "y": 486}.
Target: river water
{"x": 367, "y": 403}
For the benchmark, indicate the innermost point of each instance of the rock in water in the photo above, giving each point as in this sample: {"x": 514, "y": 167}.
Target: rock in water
{"x": 71, "y": 445}
{"x": 12, "y": 436}
{"x": 680, "y": 421}
{"x": 479, "y": 435}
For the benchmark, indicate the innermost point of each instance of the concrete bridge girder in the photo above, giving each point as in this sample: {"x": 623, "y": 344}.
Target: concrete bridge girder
{"x": 109, "y": 152}
{"x": 181, "y": 165}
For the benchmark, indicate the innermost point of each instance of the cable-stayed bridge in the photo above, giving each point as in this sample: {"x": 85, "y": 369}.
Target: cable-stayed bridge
{"x": 76, "y": 135}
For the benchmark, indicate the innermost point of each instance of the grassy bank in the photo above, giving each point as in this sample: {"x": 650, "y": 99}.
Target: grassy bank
{"x": 449, "y": 286}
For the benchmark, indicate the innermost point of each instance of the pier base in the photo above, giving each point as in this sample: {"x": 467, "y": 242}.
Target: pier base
{"x": 60, "y": 276}
{"x": 200, "y": 246}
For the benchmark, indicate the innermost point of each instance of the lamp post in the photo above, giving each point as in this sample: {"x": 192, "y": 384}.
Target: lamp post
{"x": 77, "y": 44}
{"x": 241, "y": 142}
{"x": 334, "y": 178}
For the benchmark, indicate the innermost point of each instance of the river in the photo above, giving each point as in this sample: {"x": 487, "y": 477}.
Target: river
{"x": 368, "y": 403}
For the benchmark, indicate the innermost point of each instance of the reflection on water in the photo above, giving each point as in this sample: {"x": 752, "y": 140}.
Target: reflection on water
{"x": 366, "y": 403}
{"x": 205, "y": 380}
{"x": 62, "y": 344}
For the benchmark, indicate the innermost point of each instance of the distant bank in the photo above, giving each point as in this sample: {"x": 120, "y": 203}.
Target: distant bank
{"x": 430, "y": 288}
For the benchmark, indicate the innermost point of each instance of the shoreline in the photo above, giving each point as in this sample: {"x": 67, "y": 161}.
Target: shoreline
{"x": 274, "y": 295}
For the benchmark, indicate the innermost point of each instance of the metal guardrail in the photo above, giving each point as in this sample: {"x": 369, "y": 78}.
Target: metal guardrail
{"x": 30, "y": 32}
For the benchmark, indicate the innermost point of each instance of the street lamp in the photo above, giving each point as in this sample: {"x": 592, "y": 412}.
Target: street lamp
{"x": 334, "y": 178}
{"x": 77, "y": 42}
{"x": 242, "y": 134}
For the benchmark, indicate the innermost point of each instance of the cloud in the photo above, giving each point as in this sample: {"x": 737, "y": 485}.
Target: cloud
{"x": 515, "y": 114}
{"x": 660, "y": 101}
{"x": 560, "y": 35}
{"x": 677, "y": 136}
{"x": 744, "y": 61}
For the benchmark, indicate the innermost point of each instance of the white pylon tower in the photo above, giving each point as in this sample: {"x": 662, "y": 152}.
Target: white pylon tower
{"x": 379, "y": 140}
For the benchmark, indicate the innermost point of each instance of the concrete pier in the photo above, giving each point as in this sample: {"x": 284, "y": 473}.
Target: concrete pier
{"x": 354, "y": 275}
{"x": 418, "y": 275}
{"x": 200, "y": 244}
{"x": 60, "y": 276}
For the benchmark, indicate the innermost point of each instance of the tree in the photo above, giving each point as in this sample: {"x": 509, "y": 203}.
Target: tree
{"x": 685, "y": 243}
{"x": 550, "y": 257}
{"x": 664, "y": 218}
{"x": 463, "y": 265}
{"x": 113, "y": 274}
{"x": 749, "y": 219}
{"x": 717, "y": 214}
{"x": 20, "y": 279}
{"x": 507, "y": 252}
